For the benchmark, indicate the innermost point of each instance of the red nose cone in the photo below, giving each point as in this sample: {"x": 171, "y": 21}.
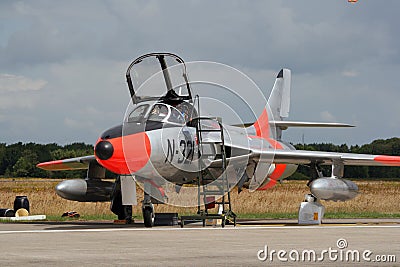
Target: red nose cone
{"x": 130, "y": 153}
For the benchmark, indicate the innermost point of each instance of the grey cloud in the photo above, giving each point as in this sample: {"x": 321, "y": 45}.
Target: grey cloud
{"x": 15, "y": 83}
{"x": 341, "y": 55}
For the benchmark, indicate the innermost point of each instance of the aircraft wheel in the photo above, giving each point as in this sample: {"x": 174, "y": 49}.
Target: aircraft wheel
{"x": 148, "y": 216}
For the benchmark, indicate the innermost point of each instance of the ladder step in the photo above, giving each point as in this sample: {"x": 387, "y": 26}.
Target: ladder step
{"x": 221, "y": 186}
{"x": 208, "y": 179}
{"x": 218, "y": 189}
{"x": 214, "y": 167}
{"x": 208, "y": 155}
{"x": 211, "y": 142}
{"x": 212, "y": 191}
{"x": 216, "y": 182}
{"x": 209, "y": 130}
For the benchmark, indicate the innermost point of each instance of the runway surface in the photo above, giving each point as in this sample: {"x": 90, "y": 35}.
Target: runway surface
{"x": 103, "y": 244}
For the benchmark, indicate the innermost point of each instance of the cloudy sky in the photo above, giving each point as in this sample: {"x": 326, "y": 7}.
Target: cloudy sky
{"x": 62, "y": 63}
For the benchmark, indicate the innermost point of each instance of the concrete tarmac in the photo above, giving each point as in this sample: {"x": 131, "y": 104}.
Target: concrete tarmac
{"x": 105, "y": 244}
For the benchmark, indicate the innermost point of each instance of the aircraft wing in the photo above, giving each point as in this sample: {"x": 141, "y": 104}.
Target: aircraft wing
{"x": 326, "y": 158}
{"x": 78, "y": 163}
{"x": 307, "y": 157}
{"x": 286, "y": 124}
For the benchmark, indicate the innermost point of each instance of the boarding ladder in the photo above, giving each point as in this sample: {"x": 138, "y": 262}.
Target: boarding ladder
{"x": 211, "y": 147}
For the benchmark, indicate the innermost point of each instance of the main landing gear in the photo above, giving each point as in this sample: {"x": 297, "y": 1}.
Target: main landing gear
{"x": 124, "y": 212}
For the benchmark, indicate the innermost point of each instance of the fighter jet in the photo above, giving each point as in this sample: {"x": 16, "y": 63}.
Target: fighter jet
{"x": 165, "y": 140}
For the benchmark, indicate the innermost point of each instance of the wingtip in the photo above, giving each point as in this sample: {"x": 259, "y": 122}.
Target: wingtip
{"x": 388, "y": 160}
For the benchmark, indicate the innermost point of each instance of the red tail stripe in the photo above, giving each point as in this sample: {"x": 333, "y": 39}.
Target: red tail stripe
{"x": 279, "y": 168}
{"x": 262, "y": 125}
{"x": 271, "y": 183}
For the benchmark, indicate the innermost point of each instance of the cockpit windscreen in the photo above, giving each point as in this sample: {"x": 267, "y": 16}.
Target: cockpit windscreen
{"x": 154, "y": 75}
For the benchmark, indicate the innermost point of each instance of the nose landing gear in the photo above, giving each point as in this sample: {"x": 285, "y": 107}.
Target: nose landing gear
{"x": 148, "y": 211}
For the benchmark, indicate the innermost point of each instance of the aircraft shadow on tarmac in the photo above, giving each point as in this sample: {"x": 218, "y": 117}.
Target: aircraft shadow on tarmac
{"x": 82, "y": 225}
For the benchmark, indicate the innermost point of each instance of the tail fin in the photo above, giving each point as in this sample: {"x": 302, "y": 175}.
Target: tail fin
{"x": 270, "y": 121}
{"x": 279, "y": 100}
{"x": 279, "y": 105}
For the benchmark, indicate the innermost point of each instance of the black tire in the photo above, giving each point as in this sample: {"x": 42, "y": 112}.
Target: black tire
{"x": 148, "y": 216}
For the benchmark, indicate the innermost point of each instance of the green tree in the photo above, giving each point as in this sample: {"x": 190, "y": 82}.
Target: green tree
{"x": 25, "y": 165}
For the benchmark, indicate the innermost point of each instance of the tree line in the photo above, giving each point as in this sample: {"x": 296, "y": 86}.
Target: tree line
{"x": 19, "y": 159}
{"x": 378, "y": 147}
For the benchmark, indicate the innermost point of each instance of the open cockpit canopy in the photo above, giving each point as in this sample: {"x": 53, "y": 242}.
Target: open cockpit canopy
{"x": 158, "y": 77}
